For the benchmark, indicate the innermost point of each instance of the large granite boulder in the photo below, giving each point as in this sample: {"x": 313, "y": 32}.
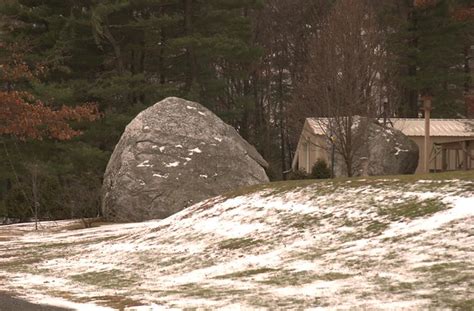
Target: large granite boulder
{"x": 384, "y": 151}
{"x": 172, "y": 155}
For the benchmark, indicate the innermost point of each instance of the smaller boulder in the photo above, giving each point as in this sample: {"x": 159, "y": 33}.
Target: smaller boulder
{"x": 385, "y": 151}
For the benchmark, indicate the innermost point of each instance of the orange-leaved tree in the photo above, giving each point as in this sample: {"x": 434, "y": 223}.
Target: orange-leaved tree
{"x": 25, "y": 117}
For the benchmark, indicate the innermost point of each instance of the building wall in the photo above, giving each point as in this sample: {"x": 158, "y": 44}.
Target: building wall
{"x": 420, "y": 141}
{"x": 312, "y": 142}
{"x": 312, "y": 147}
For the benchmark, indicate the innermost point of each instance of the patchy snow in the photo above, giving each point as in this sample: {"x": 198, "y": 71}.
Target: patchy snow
{"x": 462, "y": 208}
{"x": 63, "y": 303}
{"x": 179, "y": 146}
{"x": 358, "y": 244}
{"x": 203, "y": 176}
{"x": 191, "y": 108}
{"x": 321, "y": 287}
{"x": 218, "y": 139}
{"x": 152, "y": 307}
{"x": 201, "y": 113}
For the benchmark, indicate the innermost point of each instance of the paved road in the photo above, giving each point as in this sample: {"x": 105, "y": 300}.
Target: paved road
{"x": 9, "y": 303}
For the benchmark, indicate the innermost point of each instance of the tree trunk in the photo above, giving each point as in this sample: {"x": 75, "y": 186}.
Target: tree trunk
{"x": 412, "y": 100}
{"x": 348, "y": 146}
{"x": 142, "y": 69}
{"x": 34, "y": 188}
{"x": 282, "y": 123}
{"x": 117, "y": 50}
{"x": 190, "y": 55}
{"x": 161, "y": 57}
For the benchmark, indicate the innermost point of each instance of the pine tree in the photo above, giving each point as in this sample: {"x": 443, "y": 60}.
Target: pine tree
{"x": 126, "y": 55}
{"x": 26, "y": 118}
{"x": 430, "y": 46}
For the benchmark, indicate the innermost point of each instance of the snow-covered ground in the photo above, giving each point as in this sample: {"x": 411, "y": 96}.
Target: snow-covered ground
{"x": 363, "y": 244}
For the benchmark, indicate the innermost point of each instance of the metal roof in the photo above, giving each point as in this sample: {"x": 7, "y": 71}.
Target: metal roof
{"x": 438, "y": 127}
{"x": 415, "y": 127}
{"x": 317, "y": 125}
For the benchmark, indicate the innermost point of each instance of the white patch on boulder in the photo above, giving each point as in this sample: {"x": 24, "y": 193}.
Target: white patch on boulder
{"x": 398, "y": 150}
{"x": 145, "y": 163}
{"x": 173, "y": 164}
{"x": 161, "y": 176}
{"x": 196, "y": 150}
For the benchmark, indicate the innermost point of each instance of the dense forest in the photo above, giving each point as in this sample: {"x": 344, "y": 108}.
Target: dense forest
{"x": 73, "y": 73}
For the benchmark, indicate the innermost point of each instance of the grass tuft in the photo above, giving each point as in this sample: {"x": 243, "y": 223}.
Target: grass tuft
{"x": 238, "y": 243}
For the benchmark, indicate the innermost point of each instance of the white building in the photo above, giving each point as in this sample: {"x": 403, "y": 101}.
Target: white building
{"x": 312, "y": 144}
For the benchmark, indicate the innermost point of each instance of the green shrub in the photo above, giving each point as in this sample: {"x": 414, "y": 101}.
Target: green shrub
{"x": 297, "y": 175}
{"x": 320, "y": 170}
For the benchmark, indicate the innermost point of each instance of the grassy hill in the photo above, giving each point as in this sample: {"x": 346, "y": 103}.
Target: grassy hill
{"x": 382, "y": 243}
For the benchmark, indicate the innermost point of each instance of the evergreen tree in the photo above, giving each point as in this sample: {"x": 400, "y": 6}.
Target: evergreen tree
{"x": 126, "y": 55}
{"x": 31, "y": 170}
{"x": 430, "y": 46}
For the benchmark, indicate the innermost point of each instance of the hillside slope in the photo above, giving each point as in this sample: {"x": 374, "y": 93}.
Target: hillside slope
{"x": 400, "y": 242}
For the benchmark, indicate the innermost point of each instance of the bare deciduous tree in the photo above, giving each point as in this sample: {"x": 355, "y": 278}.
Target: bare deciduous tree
{"x": 84, "y": 202}
{"x": 346, "y": 76}
{"x": 282, "y": 29}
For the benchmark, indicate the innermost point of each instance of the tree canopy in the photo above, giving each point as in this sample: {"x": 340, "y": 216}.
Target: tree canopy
{"x": 249, "y": 61}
